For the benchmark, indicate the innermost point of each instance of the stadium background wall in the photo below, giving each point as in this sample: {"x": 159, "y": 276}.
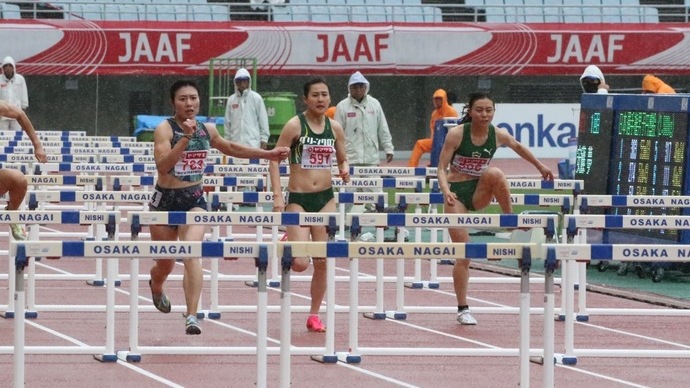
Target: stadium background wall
{"x": 105, "y": 105}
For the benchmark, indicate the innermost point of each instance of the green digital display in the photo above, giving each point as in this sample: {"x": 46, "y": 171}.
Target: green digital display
{"x": 648, "y": 158}
{"x": 594, "y": 149}
{"x": 634, "y": 145}
{"x": 646, "y": 124}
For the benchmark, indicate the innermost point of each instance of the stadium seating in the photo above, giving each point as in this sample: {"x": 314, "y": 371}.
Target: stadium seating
{"x": 382, "y": 11}
{"x": 565, "y": 11}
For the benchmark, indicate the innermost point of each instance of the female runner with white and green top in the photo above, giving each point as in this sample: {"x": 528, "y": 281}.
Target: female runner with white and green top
{"x": 469, "y": 183}
{"x": 315, "y": 141}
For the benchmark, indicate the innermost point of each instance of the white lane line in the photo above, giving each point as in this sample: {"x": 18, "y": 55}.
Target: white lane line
{"x": 606, "y": 377}
{"x": 653, "y": 339}
{"x": 148, "y": 374}
{"x": 120, "y": 362}
{"x": 376, "y": 375}
{"x": 343, "y": 364}
{"x": 457, "y": 337}
{"x": 574, "y": 369}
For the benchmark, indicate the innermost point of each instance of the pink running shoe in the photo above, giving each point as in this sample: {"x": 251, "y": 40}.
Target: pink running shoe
{"x": 314, "y": 324}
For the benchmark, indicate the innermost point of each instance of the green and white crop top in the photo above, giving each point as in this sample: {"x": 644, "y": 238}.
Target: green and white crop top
{"x": 313, "y": 151}
{"x": 472, "y": 159}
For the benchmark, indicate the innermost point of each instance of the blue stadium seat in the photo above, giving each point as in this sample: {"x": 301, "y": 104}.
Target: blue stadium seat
{"x": 573, "y": 12}
{"x": 432, "y": 14}
{"x": 592, "y": 11}
{"x": 89, "y": 11}
{"x": 378, "y": 14}
{"x": 495, "y": 11}
{"x": 533, "y": 12}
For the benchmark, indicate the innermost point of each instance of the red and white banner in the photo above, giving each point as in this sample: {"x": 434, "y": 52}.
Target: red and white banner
{"x": 43, "y": 47}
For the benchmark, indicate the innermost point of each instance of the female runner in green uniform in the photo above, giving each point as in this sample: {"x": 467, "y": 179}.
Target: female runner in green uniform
{"x": 315, "y": 141}
{"x": 468, "y": 183}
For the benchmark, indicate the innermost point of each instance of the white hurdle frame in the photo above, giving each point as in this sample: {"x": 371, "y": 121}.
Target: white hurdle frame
{"x": 406, "y": 250}
{"x": 582, "y": 222}
{"x": 585, "y": 201}
{"x": 620, "y": 252}
{"x": 23, "y": 251}
{"x": 53, "y": 217}
{"x": 444, "y": 221}
{"x": 129, "y": 249}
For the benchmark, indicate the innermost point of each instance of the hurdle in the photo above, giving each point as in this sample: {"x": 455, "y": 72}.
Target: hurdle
{"x": 619, "y": 252}
{"x": 578, "y": 222}
{"x": 258, "y": 219}
{"x": 49, "y": 217}
{"x": 588, "y": 201}
{"x": 132, "y": 250}
{"x": 410, "y": 250}
{"x": 379, "y": 220}
{"x": 434, "y": 199}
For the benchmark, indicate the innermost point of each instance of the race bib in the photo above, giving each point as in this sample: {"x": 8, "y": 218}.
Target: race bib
{"x": 155, "y": 198}
{"x": 469, "y": 165}
{"x": 317, "y": 156}
{"x": 191, "y": 163}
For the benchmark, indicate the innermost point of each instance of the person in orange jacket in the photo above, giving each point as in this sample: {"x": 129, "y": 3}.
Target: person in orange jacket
{"x": 330, "y": 113}
{"x": 442, "y": 109}
{"x": 654, "y": 85}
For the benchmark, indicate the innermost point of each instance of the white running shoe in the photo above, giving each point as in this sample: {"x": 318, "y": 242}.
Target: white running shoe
{"x": 466, "y": 318}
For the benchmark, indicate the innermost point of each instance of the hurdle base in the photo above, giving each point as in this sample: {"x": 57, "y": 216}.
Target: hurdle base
{"x": 105, "y": 357}
{"x": 446, "y": 262}
{"x": 101, "y": 282}
{"x": 325, "y": 359}
{"x": 582, "y": 318}
{"x": 7, "y": 314}
{"x": 540, "y": 360}
{"x": 566, "y": 360}
{"x": 274, "y": 283}
{"x": 27, "y": 314}
{"x": 374, "y": 315}
{"x": 397, "y": 315}
{"x": 415, "y": 285}
{"x": 559, "y": 318}
{"x": 213, "y": 315}
{"x": 434, "y": 285}
{"x": 348, "y": 358}
{"x": 125, "y": 355}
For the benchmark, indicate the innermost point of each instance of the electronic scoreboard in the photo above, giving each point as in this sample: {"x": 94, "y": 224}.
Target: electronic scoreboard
{"x": 635, "y": 145}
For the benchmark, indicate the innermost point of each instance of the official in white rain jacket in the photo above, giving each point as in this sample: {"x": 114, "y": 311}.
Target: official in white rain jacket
{"x": 366, "y": 128}
{"x": 13, "y": 91}
{"x": 246, "y": 120}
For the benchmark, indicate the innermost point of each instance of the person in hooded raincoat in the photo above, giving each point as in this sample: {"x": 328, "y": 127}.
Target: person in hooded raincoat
{"x": 13, "y": 91}
{"x": 652, "y": 84}
{"x": 366, "y": 128}
{"x": 592, "y": 80}
{"x": 246, "y": 120}
{"x": 442, "y": 109}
